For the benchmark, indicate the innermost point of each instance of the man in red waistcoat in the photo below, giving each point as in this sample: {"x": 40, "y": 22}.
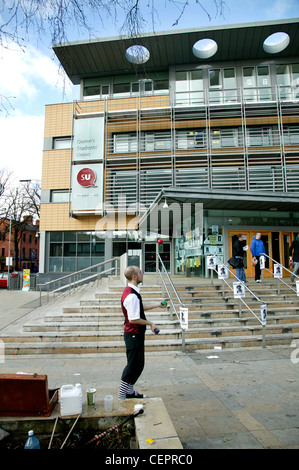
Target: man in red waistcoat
{"x": 134, "y": 332}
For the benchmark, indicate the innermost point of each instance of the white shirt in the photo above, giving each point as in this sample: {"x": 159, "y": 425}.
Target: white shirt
{"x": 132, "y": 304}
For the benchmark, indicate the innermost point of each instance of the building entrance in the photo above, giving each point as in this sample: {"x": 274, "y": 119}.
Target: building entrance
{"x": 277, "y": 244}
{"x": 143, "y": 255}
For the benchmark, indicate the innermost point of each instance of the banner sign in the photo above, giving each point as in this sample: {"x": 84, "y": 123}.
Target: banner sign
{"x": 87, "y": 187}
{"x": 88, "y": 144}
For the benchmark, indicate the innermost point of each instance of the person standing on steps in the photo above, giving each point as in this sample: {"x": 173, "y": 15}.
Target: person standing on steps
{"x": 134, "y": 332}
{"x": 257, "y": 248}
{"x": 239, "y": 249}
{"x": 294, "y": 256}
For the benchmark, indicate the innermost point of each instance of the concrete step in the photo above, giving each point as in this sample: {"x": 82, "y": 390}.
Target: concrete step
{"x": 92, "y": 347}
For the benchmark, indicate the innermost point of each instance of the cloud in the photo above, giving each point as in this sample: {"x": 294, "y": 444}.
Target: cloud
{"x": 22, "y": 146}
{"x": 282, "y": 9}
{"x": 26, "y": 71}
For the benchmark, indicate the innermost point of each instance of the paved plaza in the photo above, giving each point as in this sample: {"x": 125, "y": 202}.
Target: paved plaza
{"x": 217, "y": 399}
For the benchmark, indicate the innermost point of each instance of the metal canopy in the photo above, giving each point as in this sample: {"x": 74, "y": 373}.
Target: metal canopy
{"x": 106, "y": 56}
{"x": 216, "y": 199}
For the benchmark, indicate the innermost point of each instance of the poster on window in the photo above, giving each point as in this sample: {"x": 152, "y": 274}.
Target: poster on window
{"x": 87, "y": 187}
{"x": 88, "y": 143}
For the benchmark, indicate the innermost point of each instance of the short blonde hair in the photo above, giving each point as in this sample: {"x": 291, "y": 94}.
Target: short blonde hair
{"x": 130, "y": 272}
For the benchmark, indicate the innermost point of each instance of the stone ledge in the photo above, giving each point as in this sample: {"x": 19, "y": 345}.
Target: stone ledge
{"x": 153, "y": 428}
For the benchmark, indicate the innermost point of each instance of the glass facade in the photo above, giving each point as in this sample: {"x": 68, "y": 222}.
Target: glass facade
{"x": 72, "y": 251}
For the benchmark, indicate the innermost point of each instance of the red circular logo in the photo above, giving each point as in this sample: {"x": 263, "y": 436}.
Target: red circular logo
{"x": 86, "y": 177}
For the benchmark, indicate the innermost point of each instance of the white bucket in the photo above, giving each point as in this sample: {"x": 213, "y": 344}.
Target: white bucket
{"x": 70, "y": 399}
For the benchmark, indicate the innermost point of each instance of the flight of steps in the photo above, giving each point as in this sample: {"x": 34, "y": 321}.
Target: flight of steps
{"x": 94, "y": 322}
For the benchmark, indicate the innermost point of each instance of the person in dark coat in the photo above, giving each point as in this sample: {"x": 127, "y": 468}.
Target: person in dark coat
{"x": 294, "y": 256}
{"x": 239, "y": 249}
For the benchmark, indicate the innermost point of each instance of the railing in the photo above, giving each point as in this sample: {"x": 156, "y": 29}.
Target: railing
{"x": 241, "y": 301}
{"x": 75, "y": 279}
{"x": 278, "y": 274}
{"x": 171, "y": 292}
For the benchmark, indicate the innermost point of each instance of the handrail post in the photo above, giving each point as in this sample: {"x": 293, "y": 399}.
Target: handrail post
{"x": 240, "y": 308}
{"x": 264, "y": 335}
{"x": 183, "y": 341}
{"x": 278, "y": 286}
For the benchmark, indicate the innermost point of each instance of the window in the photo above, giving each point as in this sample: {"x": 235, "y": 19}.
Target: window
{"x": 291, "y": 135}
{"x": 121, "y": 88}
{"x": 229, "y": 85}
{"x": 189, "y": 87}
{"x": 96, "y": 91}
{"x": 60, "y": 143}
{"x": 157, "y": 141}
{"x": 125, "y": 143}
{"x": 259, "y": 137}
{"x": 190, "y": 139}
{"x": 263, "y": 82}
{"x": 249, "y": 84}
{"x": 224, "y": 138}
{"x": 60, "y": 195}
{"x": 283, "y": 81}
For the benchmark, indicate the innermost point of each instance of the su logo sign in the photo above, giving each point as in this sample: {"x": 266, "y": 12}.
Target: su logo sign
{"x": 86, "y": 177}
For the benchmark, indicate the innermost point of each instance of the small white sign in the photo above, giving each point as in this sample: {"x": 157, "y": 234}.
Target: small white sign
{"x": 297, "y": 287}
{"x": 222, "y": 271}
{"x": 277, "y": 270}
{"x": 262, "y": 262}
{"x": 264, "y": 314}
{"x": 239, "y": 290}
{"x": 9, "y": 261}
{"x": 211, "y": 260}
{"x": 184, "y": 318}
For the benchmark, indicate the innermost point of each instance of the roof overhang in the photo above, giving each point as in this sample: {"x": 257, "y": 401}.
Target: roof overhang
{"x": 106, "y": 56}
{"x": 178, "y": 200}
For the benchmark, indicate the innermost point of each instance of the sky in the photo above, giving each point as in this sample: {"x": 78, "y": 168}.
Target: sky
{"x": 30, "y": 78}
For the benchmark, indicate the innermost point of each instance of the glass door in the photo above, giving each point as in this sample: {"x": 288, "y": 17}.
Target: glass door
{"x": 150, "y": 257}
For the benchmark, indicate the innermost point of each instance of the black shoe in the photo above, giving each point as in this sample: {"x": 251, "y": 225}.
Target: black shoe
{"x": 135, "y": 395}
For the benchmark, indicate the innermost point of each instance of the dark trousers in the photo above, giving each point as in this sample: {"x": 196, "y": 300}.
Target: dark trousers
{"x": 257, "y": 269}
{"x": 135, "y": 357}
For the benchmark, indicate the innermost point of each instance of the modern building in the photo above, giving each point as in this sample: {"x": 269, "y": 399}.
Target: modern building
{"x": 189, "y": 137}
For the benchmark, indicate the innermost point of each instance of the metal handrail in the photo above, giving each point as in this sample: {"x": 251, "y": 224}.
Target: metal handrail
{"x": 74, "y": 283}
{"x": 278, "y": 278}
{"x": 243, "y": 301}
{"x": 172, "y": 304}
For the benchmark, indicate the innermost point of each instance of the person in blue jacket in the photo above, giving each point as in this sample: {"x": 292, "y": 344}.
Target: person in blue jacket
{"x": 257, "y": 247}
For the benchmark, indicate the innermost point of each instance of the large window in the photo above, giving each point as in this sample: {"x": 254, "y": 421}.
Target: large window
{"x": 72, "y": 251}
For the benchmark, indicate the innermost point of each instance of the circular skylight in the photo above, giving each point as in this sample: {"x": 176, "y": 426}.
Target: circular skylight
{"x": 205, "y": 48}
{"x": 137, "y": 54}
{"x": 276, "y": 42}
